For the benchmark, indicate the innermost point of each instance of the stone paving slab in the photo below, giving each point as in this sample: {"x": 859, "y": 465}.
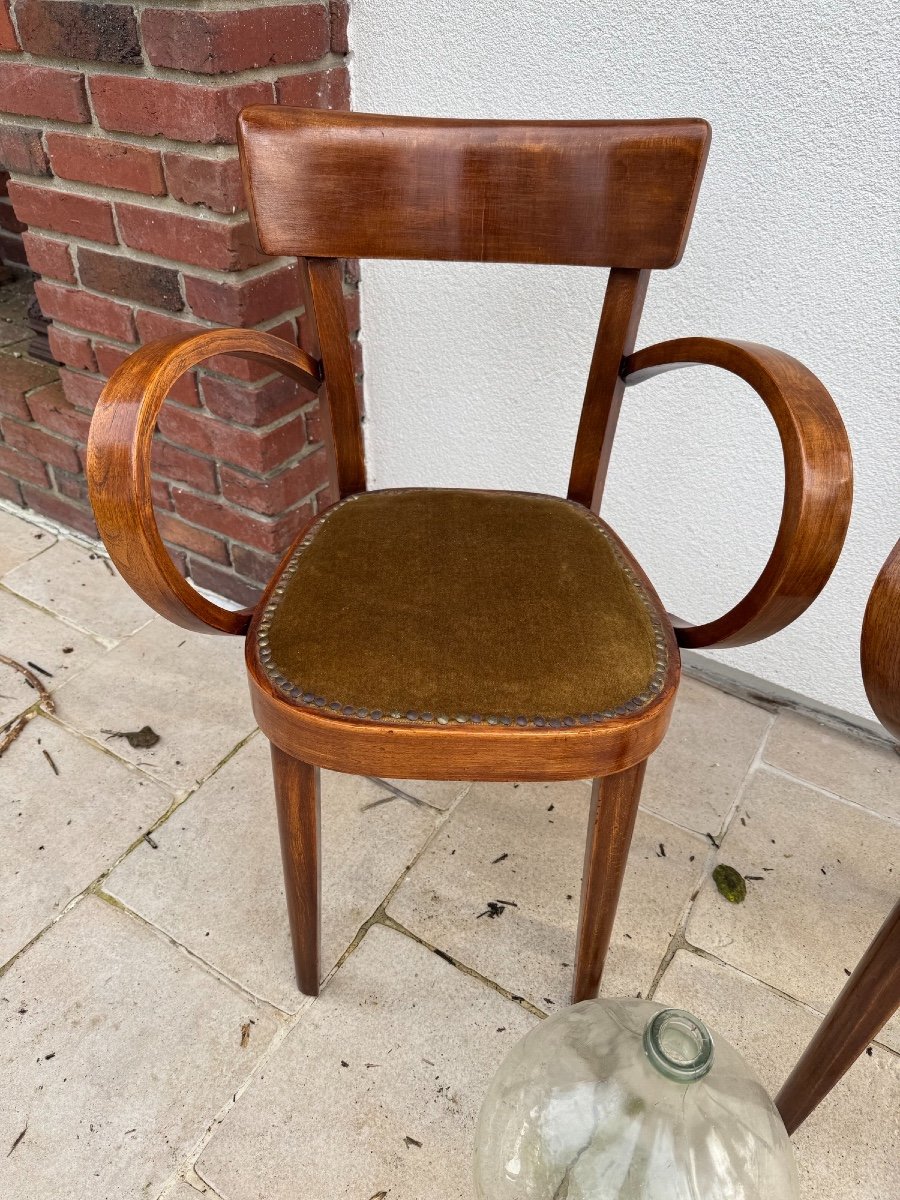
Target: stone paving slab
{"x": 375, "y": 1090}
{"x": 696, "y": 775}
{"x": 83, "y": 589}
{"x": 191, "y": 688}
{"x": 855, "y": 768}
{"x": 20, "y": 540}
{"x": 850, "y": 1146}
{"x": 524, "y": 844}
{"x": 29, "y": 635}
{"x": 68, "y": 812}
{"x": 826, "y": 876}
{"x": 116, "y": 1052}
{"x": 227, "y": 831}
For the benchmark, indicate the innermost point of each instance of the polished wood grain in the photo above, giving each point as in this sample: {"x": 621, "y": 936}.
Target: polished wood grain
{"x": 871, "y": 995}
{"x": 880, "y": 647}
{"x": 484, "y": 752}
{"x": 119, "y": 463}
{"x": 869, "y": 999}
{"x": 818, "y": 485}
{"x": 297, "y": 789}
{"x": 330, "y": 321}
{"x": 359, "y": 185}
{"x": 616, "y": 334}
{"x": 614, "y": 809}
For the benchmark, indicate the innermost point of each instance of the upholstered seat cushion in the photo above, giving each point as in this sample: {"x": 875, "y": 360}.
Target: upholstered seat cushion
{"x": 450, "y": 605}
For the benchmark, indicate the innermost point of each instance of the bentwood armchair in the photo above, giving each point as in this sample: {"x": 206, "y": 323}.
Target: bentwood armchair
{"x": 455, "y": 634}
{"x": 871, "y": 995}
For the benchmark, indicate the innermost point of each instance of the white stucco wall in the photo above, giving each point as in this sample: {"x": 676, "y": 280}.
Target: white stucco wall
{"x": 474, "y": 374}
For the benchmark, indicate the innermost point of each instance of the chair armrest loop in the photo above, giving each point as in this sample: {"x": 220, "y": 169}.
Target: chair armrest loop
{"x": 818, "y": 482}
{"x": 119, "y": 457}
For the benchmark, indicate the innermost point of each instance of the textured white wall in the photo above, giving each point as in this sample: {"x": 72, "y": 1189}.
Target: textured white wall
{"x": 474, "y": 374}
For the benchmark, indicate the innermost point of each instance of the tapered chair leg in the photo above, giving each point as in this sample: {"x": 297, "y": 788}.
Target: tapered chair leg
{"x": 869, "y": 999}
{"x": 297, "y": 798}
{"x": 614, "y": 806}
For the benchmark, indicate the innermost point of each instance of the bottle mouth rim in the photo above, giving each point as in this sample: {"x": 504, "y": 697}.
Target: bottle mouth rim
{"x": 679, "y": 1045}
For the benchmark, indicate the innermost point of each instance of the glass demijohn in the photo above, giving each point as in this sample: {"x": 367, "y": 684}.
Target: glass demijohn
{"x": 626, "y": 1100}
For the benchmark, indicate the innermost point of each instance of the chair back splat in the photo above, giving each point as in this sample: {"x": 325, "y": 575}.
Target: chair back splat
{"x": 620, "y": 194}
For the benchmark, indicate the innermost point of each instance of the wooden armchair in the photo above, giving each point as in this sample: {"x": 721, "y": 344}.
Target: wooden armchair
{"x": 871, "y": 995}
{"x": 444, "y": 634}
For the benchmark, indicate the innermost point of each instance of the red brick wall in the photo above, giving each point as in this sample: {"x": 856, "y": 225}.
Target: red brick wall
{"x": 118, "y": 137}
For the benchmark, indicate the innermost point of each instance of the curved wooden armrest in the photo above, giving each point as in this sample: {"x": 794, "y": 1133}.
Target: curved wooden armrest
{"x": 818, "y": 484}
{"x": 880, "y": 644}
{"x": 118, "y": 463}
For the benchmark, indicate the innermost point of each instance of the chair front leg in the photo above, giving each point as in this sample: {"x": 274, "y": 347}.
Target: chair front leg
{"x": 870, "y": 998}
{"x": 614, "y": 807}
{"x": 297, "y": 798}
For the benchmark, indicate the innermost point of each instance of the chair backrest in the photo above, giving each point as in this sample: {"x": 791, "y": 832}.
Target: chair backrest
{"x": 619, "y": 194}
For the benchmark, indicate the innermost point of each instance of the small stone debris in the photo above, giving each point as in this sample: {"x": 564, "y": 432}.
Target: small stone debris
{"x": 344, "y": 1063}
{"x": 691, "y": 857}
{"x": 550, "y": 807}
{"x": 501, "y": 1029}
{"x": 411, "y": 1141}
{"x": 137, "y": 739}
{"x": 68, "y": 649}
{"x": 499, "y": 858}
{"x": 730, "y": 883}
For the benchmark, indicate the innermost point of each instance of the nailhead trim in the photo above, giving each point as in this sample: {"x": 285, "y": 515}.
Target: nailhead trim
{"x": 411, "y": 717}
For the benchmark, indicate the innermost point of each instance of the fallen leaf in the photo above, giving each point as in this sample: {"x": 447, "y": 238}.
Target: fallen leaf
{"x": 730, "y": 883}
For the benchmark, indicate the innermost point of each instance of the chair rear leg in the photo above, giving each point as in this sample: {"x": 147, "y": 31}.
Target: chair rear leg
{"x": 614, "y": 806}
{"x": 869, "y": 999}
{"x": 297, "y": 799}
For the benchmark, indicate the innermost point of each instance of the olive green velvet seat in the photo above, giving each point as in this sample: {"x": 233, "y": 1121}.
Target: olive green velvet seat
{"x": 428, "y": 605}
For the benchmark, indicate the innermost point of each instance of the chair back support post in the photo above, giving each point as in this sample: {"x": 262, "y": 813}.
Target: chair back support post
{"x": 338, "y": 394}
{"x": 616, "y": 336}
{"x": 324, "y": 186}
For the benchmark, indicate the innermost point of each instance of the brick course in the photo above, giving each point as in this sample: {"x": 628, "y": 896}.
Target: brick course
{"x": 136, "y": 221}
{"x": 72, "y": 29}
{"x": 215, "y": 41}
{"x": 105, "y": 162}
{"x": 185, "y": 112}
{"x": 34, "y": 91}
{"x": 22, "y": 150}
{"x": 123, "y": 276}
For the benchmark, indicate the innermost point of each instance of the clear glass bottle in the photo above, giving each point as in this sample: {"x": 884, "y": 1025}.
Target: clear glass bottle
{"x": 627, "y": 1100}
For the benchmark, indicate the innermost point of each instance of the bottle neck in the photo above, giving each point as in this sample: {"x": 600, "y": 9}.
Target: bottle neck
{"x": 678, "y": 1045}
